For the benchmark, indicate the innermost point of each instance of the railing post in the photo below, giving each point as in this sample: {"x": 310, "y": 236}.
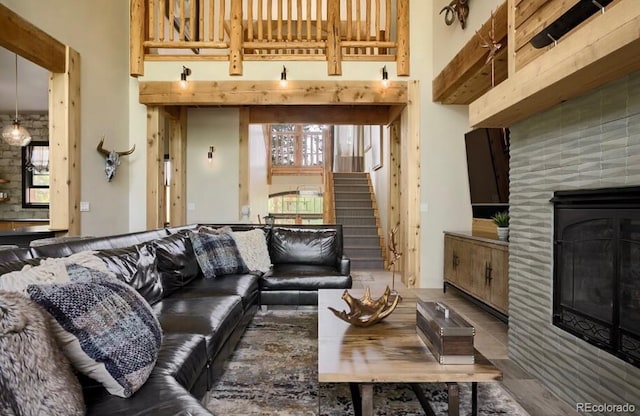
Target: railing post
{"x": 402, "y": 54}
{"x": 235, "y": 41}
{"x": 334, "y": 49}
{"x": 137, "y": 25}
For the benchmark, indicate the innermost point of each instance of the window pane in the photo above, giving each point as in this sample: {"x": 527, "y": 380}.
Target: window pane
{"x": 38, "y": 195}
{"x": 40, "y": 179}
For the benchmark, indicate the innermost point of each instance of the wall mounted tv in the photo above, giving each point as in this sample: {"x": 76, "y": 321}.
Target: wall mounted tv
{"x": 488, "y": 166}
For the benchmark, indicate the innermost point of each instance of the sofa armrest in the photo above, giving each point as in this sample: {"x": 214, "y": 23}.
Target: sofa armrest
{"x": 344, "y": 266}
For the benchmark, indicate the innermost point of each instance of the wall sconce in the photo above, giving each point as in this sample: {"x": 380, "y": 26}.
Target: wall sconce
{"x": 210, "y": 153}
{"x": 283, "y": 77}
{"x": 183, "y": 76}
{"x": 385, "y": 77}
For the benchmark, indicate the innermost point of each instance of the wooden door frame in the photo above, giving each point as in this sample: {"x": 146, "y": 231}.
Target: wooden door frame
{"x": 23, "y": 38}
{"x": 260, "y": 101}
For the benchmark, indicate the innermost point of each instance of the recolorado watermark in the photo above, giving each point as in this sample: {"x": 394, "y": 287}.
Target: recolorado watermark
{"x": 605, "y": 408}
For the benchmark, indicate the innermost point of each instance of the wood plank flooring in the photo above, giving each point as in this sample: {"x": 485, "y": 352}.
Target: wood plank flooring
{"x": 491, "y": 340}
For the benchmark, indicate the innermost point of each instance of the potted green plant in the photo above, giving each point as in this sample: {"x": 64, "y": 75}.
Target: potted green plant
{"x": 501, "y": 219}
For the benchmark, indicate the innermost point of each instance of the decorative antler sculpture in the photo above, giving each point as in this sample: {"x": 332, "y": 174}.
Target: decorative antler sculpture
{"x": 112, "y": 159}
{"x": 459, "y": 9}
{"x": 493, "y": 47}
{"x": 366, "y": 311}
{"x": 395, "y": 256}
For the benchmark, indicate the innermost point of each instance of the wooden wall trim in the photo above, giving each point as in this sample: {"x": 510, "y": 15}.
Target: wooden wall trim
{"x": 271, "y": 93}
{"x": 21, "y": 37}
{"x": 64, "y": 144}
{"x": 603, "y": 50}
{"x": 155, "y": 168}
{"x": 410, "y": 190}
{"x": 243, "y": 160}
{"x": 178, "y": 156}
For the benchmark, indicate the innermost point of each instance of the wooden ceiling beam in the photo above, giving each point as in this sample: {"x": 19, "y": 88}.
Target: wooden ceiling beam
{"x": 466, "y": 77}
{"x": 601, "y": 51}
{"x": 26, "y": 40}
{"x": 238, "y": 93}
{"x": 321, "y": 114}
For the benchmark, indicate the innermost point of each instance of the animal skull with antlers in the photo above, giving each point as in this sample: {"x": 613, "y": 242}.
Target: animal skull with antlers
{"x": 112, "y": 159}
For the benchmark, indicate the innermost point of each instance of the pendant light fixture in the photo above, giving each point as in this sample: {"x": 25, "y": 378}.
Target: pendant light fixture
{"x": 14, "y": 134}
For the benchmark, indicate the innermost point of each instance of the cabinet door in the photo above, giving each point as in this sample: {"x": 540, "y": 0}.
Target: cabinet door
{"x": 451, "y": 259}
{"x": 481, "y": 269}
{"x": 499, "y": 280}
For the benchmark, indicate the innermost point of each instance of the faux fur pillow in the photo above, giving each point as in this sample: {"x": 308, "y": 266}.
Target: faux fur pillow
{"x": 252, "y": 246}
{"x": 35, "y": 377}
{"x": 105, "y": 327}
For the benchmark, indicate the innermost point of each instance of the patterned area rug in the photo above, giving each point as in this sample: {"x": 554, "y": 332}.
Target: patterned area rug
{"x": 274, "y": 372}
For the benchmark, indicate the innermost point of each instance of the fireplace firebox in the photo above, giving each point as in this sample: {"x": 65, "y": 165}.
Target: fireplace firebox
{"x": 597, "y": 268}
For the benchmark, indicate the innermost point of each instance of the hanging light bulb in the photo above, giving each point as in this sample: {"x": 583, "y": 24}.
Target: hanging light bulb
{"x": 14, "y": 134}
{"x": 385, "y": 77}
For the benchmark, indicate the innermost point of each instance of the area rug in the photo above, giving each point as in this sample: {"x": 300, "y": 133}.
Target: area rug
{"x": 274, "y": 372}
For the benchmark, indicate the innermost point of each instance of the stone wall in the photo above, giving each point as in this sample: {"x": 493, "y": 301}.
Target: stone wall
{"x": 11, "y": 167}
{"x": 589, "y": 142}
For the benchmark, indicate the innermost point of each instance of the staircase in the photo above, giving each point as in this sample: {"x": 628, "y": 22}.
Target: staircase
{"x": 355, "y": 211}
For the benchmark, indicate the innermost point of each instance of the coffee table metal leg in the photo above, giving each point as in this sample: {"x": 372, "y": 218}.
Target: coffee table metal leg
{"x": 356, "y": 399}
{"x": 424, "y": 402}
{"x": 362, "y": 398}
{"x": 454, "y": 399}
{"x": 474, "y": 398}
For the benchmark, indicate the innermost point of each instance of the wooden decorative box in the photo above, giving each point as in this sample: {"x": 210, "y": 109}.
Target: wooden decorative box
{"x": 447, "y": 334}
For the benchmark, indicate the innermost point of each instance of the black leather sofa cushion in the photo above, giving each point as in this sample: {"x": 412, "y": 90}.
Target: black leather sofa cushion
{"x": 15, "y": 254}
{"x": 135, "y": 266}
{"x": 17, "y": 265}
{"x": 289, "y": 297}
{"x": 244, "y": 285}
{"x": 318, "y": 247}
{"x": 303, "y": 277}
{"x": 183, "y": 356}
{"x": 215, "y": 317}
{"x": 98, "y": 243}
{"x": 176, "y": 262}
{"x": 161, "y": 395}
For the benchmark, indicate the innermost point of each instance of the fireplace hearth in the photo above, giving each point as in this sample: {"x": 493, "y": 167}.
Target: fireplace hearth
{"x": 597, "y": 268}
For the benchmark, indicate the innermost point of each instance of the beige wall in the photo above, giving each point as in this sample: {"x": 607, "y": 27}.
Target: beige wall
{"x": 98, "y": 30}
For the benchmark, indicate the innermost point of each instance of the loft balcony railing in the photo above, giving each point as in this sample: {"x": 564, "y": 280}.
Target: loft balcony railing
{"x": 239, "y": 30}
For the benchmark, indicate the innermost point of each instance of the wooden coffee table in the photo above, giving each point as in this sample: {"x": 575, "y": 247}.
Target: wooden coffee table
{"x": 387, "y": 352}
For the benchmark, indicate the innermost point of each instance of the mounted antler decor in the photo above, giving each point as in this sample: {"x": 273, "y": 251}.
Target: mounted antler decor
{"x": 366, "y": 311}
{"x": 112, "y": 159}
{"x": 457, "y": 8}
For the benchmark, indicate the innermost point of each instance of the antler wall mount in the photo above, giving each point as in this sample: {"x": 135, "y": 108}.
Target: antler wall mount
{"x": 456, "y": 9}
{"x": 111, "y": 159}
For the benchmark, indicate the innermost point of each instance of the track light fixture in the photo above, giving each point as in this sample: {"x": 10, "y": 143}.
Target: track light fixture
{"x": 183, "y": 76}
{"x": 385, "y": 77}
{"x": 283, "y": 77}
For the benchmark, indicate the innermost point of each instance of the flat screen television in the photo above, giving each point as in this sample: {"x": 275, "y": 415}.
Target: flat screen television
{"x": 488, "y": 168}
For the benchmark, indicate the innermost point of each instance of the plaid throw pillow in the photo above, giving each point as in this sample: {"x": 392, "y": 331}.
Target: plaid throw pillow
{"x": 106, "y": 329}
{"x": 217, "y": 254}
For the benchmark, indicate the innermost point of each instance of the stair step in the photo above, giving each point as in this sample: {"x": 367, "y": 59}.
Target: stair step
{"x": 353, "y": 195}
{"x": 361, "y": 204}
{"x": 354, "y": 212}
{"x": 367, "y": 264}
{"x": 359, "y": 230}
{"x": 356, "y": 221}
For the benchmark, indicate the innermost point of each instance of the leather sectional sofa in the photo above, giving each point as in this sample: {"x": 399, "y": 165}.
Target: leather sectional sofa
{"x": 202, "y": 319}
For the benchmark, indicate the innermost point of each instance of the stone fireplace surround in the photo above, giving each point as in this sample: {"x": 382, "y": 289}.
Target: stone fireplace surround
{"x": 588, "y": 142}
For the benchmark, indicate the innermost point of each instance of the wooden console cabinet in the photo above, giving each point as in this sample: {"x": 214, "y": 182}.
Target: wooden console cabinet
{"x": 479, "y": 267}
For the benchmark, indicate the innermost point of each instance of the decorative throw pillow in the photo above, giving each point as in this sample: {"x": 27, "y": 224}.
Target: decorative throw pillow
{"x": 217, "y": 254}
{"x": 252, "y": 246}
{"x": 50, "y": 270}
{"x": 106, "y": 329}
{"x": 36, "y": 378}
